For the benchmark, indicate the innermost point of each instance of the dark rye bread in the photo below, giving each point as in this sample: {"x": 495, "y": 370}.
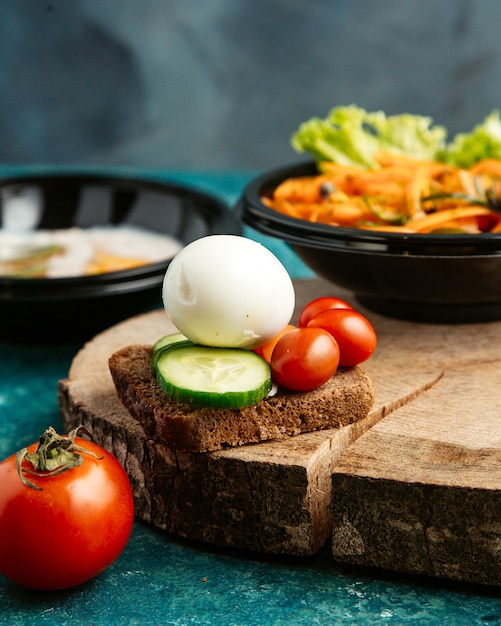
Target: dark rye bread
{"x": 346, "y": 398}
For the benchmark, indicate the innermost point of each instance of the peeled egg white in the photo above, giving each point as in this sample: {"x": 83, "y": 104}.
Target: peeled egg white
{"x": 228, "y": 291}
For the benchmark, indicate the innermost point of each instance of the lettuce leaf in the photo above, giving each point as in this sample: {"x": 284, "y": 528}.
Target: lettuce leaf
{"x": 351, "y": 136}
{"x": 484, "y": 141}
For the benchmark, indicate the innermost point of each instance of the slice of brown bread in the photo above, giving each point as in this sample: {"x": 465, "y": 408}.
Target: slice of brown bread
{"x": 347, "y": 397}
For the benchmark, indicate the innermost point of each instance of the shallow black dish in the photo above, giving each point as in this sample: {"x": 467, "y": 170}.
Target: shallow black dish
{"x": 61, "y": 309}
{"x": 432, "y": 278}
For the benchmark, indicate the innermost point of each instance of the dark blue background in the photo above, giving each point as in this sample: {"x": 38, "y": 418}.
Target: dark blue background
{"x": 218, "y": 84}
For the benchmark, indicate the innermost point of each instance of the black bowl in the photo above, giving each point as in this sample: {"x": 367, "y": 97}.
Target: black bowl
{"x": 62, "y": 309}
{"x": 422, "y": 277}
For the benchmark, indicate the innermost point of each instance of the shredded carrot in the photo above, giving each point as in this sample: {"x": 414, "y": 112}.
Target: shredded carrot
{"x": 388, "y": 228}
{"x": 400, "y": 195}
{"x": 487, "y": 166}
{"x": 343, "y": 213}
{"x": 447, "y": 216}
{"x": 385, "y": 159}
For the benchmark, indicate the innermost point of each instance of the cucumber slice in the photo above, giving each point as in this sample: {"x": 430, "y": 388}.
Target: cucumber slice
{"x": 164, "y": 342}
{"x": 167, "y": 340}
{"x": 217, "y": 378}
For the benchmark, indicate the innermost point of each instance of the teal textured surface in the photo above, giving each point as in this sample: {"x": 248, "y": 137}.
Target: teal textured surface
{"x": 163, "y": 580}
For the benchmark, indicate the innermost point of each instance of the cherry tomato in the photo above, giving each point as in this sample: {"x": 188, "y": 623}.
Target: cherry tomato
{"x": 266, "y": 350}
{"x": 353, "y": 332}
{"x": 321, "y": 304}
{"x": 58, "y": 530}
{"x": 304, "y": 359}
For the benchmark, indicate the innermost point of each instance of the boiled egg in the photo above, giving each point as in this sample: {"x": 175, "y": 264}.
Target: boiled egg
{"x": 228, "y": 291}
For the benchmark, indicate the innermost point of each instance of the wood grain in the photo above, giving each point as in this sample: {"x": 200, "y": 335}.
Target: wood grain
{"x": 421, "y": 491}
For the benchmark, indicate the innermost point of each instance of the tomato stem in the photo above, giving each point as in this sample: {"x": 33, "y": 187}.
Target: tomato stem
{"x": 55, "y": 454}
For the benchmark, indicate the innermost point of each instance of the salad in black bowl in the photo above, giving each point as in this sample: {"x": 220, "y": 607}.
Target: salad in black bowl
{"x": 390, "y": 210}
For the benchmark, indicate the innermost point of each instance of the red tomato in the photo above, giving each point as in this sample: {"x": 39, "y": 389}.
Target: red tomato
{"x": 353, "y": 332}
{"x": 318, "y": 305}
{"x": 266, "y": 350}
{"x": 66, "y": 527}
{"x": 304, "y": 359}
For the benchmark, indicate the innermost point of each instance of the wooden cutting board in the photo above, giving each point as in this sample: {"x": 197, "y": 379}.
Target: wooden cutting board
{"x": 421, "y": 491}
{"x": 348, "y": 484}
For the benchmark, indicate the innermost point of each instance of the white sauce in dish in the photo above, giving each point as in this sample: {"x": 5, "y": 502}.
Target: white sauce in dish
{"x": 77, "y": 252}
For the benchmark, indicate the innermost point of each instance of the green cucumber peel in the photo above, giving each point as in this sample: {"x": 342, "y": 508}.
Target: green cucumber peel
{"x": 217, "y": 378}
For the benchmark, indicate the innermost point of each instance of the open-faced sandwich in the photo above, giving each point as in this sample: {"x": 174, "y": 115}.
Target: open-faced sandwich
{"x": 237, "y": 371}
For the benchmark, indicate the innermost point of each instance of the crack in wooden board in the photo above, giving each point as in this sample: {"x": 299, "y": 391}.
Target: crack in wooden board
{"x": 272, "y": 497}
{"x": 421, "y": 491}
